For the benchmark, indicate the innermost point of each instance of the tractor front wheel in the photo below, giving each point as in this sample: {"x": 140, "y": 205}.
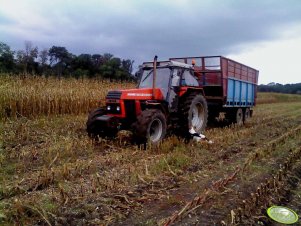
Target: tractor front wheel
{"x": 96, "y": 128}
{"x": 149, "y": 127}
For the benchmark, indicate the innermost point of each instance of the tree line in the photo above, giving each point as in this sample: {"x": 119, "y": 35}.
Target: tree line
{"x": 279, "y": 88}
{"x": 58, "y": 61}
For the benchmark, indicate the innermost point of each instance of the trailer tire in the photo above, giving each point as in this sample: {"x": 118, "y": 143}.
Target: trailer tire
{"x": 247, "y": 115}
{"x": 213, "y": 114}
{"x": 236, "y": 116}
{"x": 94, "y": 129}
{"x": 251, "y": 113}
{"x": 194, "y": 112}
{"x": 150, "y": 127}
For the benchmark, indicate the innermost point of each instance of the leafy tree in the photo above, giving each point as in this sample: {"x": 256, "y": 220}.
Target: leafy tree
{"x": 26, "y": 58}
{"x": 57, "y": 60}
{"x": 84, "y": 61}
{"x": 60, "y": 59}
{"x": 279, "y": 88}
{"x": 106, "y": 57}
{"x": 43, "y": 59}
{"x": 127, "y": 65}
{"x": 97, "y": 61}
{"x": 7, "y": 63}
{"x": 110, "y": 68}
{"x": 82, "y": 64}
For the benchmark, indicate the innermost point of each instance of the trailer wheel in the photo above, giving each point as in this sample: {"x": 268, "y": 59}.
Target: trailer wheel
{"x": 251, "y": 113}
{"x": 247, "y": 115}
{"x": 149, "y": 127}
{"x": 95, "y": 128}
{"x": 236, "y": 116}
{"x": 194, "y": 113}
{"x": 213, "y": 114}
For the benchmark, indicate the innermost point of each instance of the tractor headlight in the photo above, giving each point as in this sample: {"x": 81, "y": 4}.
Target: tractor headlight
{"x": 108, "y": 107}
{"x": 118, "y": 108}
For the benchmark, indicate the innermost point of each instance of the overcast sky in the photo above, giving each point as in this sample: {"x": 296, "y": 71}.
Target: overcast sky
{"x": 264, "y": 34}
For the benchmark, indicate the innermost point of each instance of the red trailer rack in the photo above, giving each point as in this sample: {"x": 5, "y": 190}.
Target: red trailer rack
{"x": 224, "y": 80}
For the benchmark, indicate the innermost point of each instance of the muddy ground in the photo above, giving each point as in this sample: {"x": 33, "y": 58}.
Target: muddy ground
{"x": 52, "y": 174}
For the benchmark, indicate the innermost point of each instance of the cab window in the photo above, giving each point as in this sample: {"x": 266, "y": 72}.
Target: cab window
{"x": 188, "y": 79}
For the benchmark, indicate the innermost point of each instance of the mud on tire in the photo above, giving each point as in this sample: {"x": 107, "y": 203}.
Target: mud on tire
{"x": 150, "y": 126}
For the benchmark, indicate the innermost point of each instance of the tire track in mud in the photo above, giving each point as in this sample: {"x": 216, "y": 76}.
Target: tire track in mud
{"x": 105, "y": 163}
{"x": 252, "y": 131}
{"x": 257, "y": 126}
{"x": 47, "y": 178}
{"x": 274, "y": 191}
{"x": 261, "y": 123}
{"x": 222, "y": 183}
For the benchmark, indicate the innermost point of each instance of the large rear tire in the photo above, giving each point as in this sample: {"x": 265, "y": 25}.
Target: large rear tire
{"x": 149, "y": 127}
{"x": 95, "y": 128}
{"x": 194, "y": 113}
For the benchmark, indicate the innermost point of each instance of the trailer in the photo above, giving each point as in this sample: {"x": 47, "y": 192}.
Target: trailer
{"x": 228, "y": 86}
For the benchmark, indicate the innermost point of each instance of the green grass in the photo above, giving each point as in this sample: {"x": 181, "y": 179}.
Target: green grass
{"x": 173, "y": 162}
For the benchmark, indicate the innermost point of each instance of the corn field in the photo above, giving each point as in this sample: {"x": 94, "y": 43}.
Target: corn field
{"x": 33, "y": 96}
{"x": 52, "y": 173}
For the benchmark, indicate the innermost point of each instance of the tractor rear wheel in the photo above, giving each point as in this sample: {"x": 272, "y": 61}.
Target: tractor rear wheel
{"x": 194, "y": 113}
{"x": 149, "y": 127}
{"x": 95, "y": 128}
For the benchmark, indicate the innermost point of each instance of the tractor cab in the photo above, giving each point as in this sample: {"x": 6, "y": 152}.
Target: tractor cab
{"x": 168, "y": 73}
{"x": 171, "y": 77}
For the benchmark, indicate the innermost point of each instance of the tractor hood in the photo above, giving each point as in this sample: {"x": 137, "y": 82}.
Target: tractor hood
{"x": 136, "y": 94}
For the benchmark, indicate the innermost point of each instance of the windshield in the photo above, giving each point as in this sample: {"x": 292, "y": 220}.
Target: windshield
{"x": 162, "y": 79}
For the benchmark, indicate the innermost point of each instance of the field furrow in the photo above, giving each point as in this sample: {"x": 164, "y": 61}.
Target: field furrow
{"x": 52, "y": 173}
{"x": 51, "y": 167}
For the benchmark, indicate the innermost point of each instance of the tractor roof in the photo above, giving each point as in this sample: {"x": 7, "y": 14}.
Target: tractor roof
{"x": 170, "y": 63}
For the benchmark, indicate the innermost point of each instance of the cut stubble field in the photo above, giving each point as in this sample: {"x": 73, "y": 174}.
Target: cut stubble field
{"x": 53, "y": 174}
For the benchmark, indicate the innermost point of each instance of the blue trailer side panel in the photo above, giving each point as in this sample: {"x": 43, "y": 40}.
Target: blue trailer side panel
{"x": 237, "y": 85}
{"x": 244, "y": 93}
{"x": 250, "y": 94}
{"x": 230, "y": 97}
{"x": 240, "y": 93}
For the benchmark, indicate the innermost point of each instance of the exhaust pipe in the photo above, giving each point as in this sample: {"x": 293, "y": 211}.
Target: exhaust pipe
{"x": 154, "y": 75}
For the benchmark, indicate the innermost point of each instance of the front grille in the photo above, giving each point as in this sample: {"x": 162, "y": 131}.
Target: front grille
{"x": 130, "y": 109}
{"x": 114, "y": 95}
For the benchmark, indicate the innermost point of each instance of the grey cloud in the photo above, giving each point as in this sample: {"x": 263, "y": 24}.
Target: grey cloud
{"x": 146, "y": 28}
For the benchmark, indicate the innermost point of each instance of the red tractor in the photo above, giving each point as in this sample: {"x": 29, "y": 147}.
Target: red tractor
{"x": 172, "y": 94}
